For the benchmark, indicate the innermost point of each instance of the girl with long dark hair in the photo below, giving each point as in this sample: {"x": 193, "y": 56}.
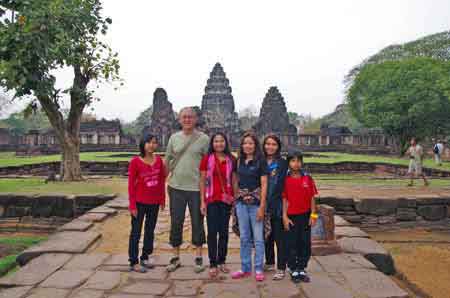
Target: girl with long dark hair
{"x": 251, "y": 206}
{"x": 217, "y": 184}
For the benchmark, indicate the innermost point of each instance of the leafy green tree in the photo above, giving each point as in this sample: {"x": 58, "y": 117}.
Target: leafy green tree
{"x": 40, "y": 37}
{"x": 405, "y": 98}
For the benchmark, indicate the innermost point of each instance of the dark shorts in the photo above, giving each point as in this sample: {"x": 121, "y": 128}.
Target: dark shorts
{"x": 179, "y": 199}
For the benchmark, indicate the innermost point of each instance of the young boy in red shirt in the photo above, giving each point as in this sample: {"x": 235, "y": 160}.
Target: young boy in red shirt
{"x": 299, "y": 214}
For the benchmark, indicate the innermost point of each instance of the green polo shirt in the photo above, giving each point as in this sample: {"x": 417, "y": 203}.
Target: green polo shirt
{"x": 186, "y": 175}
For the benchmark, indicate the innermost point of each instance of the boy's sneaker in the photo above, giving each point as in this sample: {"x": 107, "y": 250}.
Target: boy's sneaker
{"x": 198, "y": 268}
{"x": 304, "y": 277}
{"x": 138, "y": 268}
{"x": 174, "y": 264}
{"x": 147, "y": 264}
{"x": 295, "y": 277}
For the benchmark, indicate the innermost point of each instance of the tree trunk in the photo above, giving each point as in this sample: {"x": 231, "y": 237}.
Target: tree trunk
{"x": 70, "y": 162}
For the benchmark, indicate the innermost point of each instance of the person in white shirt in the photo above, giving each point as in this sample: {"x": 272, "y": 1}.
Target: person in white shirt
{"x": 415, "y": 152}
{"x": 438, "y": 149}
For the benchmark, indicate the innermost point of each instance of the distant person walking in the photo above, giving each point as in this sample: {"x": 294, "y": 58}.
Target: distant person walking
{"x": 184, "y": 151}
{"x": 415, "y": 152}
{"x": 438, "y": 149}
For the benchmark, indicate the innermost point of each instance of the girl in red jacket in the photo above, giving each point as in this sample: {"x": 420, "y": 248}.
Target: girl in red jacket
{"x": 146, "y": 190}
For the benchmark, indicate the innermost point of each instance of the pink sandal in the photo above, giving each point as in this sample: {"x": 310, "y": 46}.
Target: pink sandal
{"x": 239, "y": 274}
{"x": 259, "y": 276}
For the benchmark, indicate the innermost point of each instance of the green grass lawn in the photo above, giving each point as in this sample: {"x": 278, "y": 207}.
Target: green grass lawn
{"x": 333, "y": 157}
{"x": 13, "y": 246}
{"x": 38, "y": 186}
{"x": 9, "y": 159}
{"x": 371, "y": 180}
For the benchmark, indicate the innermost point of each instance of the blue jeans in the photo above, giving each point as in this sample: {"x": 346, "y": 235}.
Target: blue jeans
{"x": 248, "y": 227}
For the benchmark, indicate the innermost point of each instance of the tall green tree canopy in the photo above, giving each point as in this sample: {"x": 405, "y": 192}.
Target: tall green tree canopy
{"x": 40, "y": 37}
{"x": 406, "y": 98}
{"x": 436, "y": 46}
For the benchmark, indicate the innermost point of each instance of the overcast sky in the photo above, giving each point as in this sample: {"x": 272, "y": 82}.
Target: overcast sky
{"x": 303, "y": 47}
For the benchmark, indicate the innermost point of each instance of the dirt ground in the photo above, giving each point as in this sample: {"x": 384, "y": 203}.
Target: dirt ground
{"x": 422, "y": 257}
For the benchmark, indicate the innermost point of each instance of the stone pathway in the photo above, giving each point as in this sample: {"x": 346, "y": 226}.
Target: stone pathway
{"x": 69, "y": 265}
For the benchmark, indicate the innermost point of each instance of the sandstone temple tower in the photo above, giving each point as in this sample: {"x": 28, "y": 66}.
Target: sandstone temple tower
{"x": 274, "y": 118}
{"x": 163, "y": 122}
{"x": 218, "y": 106}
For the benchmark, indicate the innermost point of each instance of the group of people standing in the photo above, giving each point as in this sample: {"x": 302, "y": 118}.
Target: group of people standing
{"x": 269, "y": 199}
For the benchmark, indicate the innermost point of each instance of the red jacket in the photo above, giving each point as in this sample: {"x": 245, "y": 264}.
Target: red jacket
{"x": 146, "y": 183}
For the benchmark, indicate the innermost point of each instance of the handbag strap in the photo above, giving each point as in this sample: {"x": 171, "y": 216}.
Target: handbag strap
{"x": 177, "y": 158}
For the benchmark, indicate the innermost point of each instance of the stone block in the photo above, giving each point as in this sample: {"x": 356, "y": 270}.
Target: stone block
{"x": 382, "y": 220}
{"x": 89, "y": 261}
{"x": 67, "y": 279}
{"x": 433, "y": 212}
{"x": 376, "y": 206}
{"x": 407, "y": 203}
{"x": 323, "y": 286}
{"x": 147, "y": 288}
{"x": 62, "y": 242}
{"x": 36, "y": 271}
{"x": 406, "y": 214}
{"x": 243, "y": 289}
{"x": 16, "y": 292}
{"x": 350, "y": 232}
{"x": 371, "y": 250}
{"x": 76, "y": 226}
{"x": 103, "y": 280}
{"x": 373, "y": 284}
{"x": 49, "y": 293}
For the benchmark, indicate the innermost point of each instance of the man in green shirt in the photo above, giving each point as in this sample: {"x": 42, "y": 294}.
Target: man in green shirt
{"x": 184, "y": 151}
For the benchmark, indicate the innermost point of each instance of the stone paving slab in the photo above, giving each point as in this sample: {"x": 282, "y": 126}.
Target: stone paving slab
{"x": 76, "y": 225}
{"x": 373, "y": 284}
{"x": 323, "y": 286}
{"x": 223, "y": 290}
{"x": 86, "y": 261}
{"x": 88, "y": 294}
{"x": 16, "y": 292}
{"x": 350, "y": 232}
{"x": 36, "y": 271}
{"x": 103, "y": 280}
{"x": 67, "y": 279}
{"x": 157, "y": 273}
{"x": 49, "y": 293}
{"x": 340, "y": 222}
{"x": 147, "y": 288}
{"x": 62, "y": 242}
{"x": 130, "y": 296}
{"x": 279, "y": 289}
{"x": 93, "y": 217}
{"x": 103, "y": 209}
{"x": 371, "y": 250}
{"x": 186, "y": 288}
{"x": 187, "y": 273}
{"x": 119, "y": 203}
{"x": 339, "y": 262}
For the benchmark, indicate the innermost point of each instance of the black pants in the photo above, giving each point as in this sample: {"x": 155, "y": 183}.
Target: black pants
{"x": 278, "y": 237}
{"x": 150, "y": 212}
{"x": 218, "y": 219}
{"x": 299, "y": 241}
{"x": 179, "y": 199}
